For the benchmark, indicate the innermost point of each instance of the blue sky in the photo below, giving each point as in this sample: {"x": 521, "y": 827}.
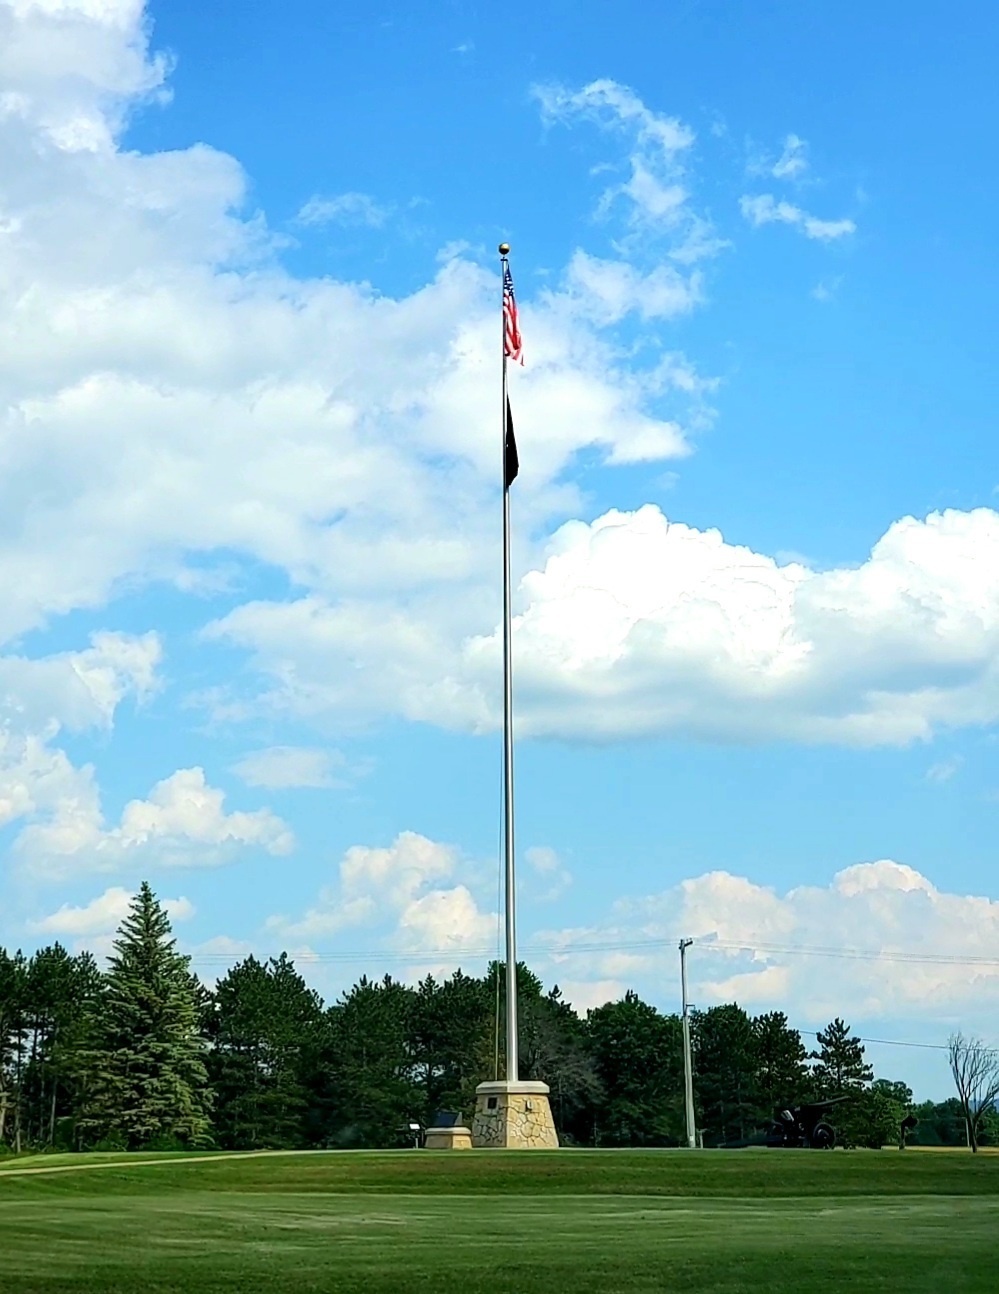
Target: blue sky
{"x": 248, "y": 387}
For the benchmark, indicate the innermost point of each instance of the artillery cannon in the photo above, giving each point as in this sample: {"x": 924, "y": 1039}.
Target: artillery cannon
{"x": 804, "y": 1126}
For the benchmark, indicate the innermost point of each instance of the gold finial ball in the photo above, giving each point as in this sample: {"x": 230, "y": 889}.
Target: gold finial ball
{"x": 504, "y": 249}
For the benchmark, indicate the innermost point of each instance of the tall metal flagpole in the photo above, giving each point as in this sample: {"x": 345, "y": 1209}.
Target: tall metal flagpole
{"x": 508, "y": 1112}
{"x": 512, "y": 1056}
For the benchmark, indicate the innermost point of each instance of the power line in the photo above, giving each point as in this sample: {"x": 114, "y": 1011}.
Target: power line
{"x": 849, "y": 954}
{"x": 432, "y": 955}
{"x": 888, "y": 1042}
{"x": 633, "y": 945}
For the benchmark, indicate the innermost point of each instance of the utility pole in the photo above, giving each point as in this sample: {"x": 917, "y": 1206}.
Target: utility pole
{"x": 688, "y": 1071}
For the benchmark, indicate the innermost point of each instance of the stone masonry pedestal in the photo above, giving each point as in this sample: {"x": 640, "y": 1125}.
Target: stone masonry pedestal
{"x": 456, "y": 1138}
{"x": 513, "y": 1116}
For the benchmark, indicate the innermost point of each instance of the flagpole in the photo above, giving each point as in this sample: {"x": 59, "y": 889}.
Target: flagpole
{"x": 512, "y": 1056}
{"x": 508, "y": 1112}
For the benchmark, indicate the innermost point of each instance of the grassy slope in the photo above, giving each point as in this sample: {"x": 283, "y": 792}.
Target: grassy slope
{"x": 736, "y": 1174}
{"x": 482, "y": 1223}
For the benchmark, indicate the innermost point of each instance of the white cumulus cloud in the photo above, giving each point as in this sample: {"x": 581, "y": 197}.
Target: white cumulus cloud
{"x": 280, "y": 767}
{"x": 73, "y": 692}
{"x": 343, "y": 209}
{"x": 765, "y": 209}
{"x": 168, "y": 391}
{"x": 616, "y": 106}
{"x": 878, "y": 942}
{"x": 793, "y": 160}
{"x": 173, "y": 401}
{"x": 656, "y": 193}
{"x": 103, "y": 914}
{"x": 77, "y": 690}
{"x": 182, "y": 823}
{"x": 550, "y": 871}
{"x": 944, "y": 769}
{"x": 417, "y": 893}
{"x": 610, "y": 290}
{"x": 635, "y": 625}
{"x": 69, "y": 69}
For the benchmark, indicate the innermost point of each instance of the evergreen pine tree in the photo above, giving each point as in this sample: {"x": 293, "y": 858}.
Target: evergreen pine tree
{"x": 726, "y": 1082}
{"x": 637, "y": 1053}
{"x": 147, "y": 1081}
{"x": 553, "y": 1048}
{"x": 452, "y": 1035}
{"x": 13, "y": 974}
{"x": 59, "y": 995}
{"x": 371, "y": 1089}
{"x": 840, "y": 1065}
{"x": 781, "y": 1072}
{"x": 265, "y": 1034}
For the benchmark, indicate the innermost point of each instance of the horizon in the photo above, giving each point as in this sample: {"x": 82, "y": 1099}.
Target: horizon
{"x": 249, "y": 416}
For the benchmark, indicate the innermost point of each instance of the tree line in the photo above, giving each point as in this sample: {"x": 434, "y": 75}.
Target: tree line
{"x": 142, "y": 1055}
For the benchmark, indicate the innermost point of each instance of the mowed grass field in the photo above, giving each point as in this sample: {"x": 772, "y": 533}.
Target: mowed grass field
{"x": 501, "y": 1222}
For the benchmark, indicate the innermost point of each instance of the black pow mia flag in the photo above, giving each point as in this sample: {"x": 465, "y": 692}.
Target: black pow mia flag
{"x": 511, "y": 461}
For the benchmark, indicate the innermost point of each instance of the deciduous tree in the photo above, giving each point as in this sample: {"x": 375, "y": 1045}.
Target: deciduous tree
{"x": 975, "y": 1068}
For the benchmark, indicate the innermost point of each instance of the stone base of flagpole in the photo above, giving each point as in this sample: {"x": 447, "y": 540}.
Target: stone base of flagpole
{"x": 513, "y": 1116}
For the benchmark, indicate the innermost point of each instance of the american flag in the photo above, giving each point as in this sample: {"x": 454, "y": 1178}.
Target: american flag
{"x": 512, "y": 346}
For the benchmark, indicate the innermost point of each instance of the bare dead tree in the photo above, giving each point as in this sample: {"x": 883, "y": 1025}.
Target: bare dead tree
{"x": 976, "y": 1076}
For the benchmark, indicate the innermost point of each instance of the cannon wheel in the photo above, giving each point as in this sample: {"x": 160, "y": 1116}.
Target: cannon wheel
{"x": 823, "y": 1137}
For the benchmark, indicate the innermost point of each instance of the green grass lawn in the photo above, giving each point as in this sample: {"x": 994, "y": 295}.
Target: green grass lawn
{"x": 488, "y": 1223}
